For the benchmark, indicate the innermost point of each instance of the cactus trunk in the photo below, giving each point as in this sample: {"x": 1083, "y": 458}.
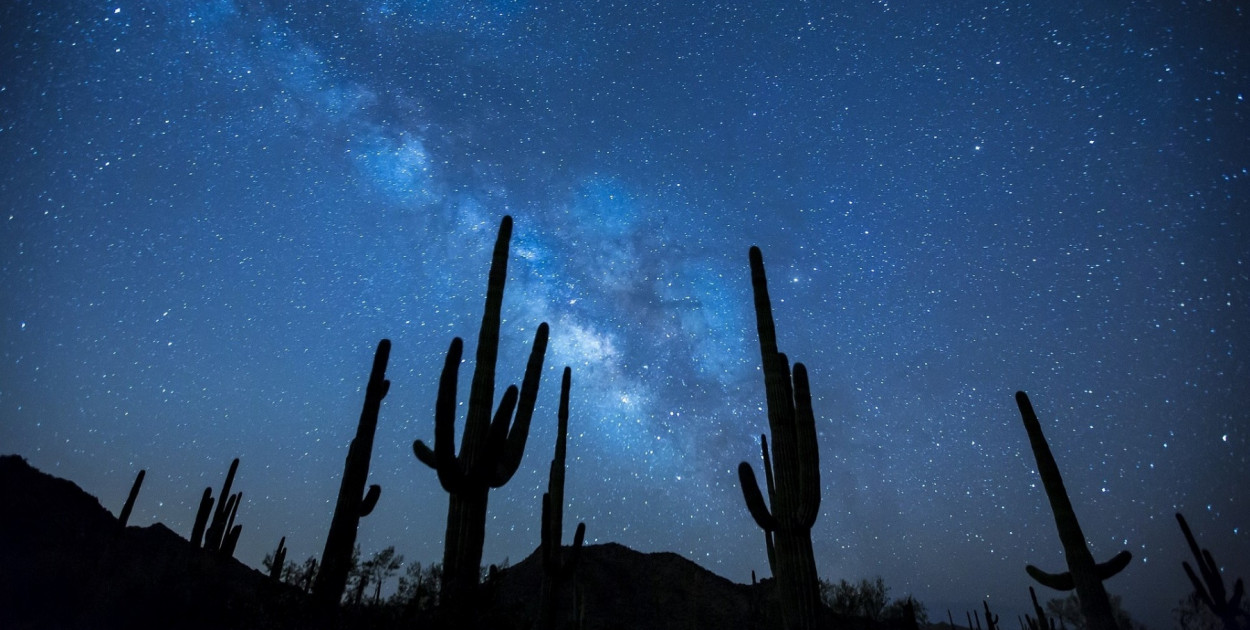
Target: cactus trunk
{"x": 353, "y": 502}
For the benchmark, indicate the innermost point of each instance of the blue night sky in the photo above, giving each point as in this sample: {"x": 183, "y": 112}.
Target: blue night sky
{"x": 213, "y": 210}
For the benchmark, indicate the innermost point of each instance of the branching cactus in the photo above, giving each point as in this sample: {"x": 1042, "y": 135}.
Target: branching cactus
{"x": 1042, "y": 622}
{"x": 279, "y": 561}
{"x": 1083, "y": 574}
{"x": 490, "y": 450}
{"x": 991, "y": 620}
{"x": 353, "y": 502}
{"x": 559, "y": 567}
{"x": 794, "y": 481}
{"x": 224, "y": 511}
{"x": 221, "y": 535}
{"x": 124, "y": 517}
{"x": 201, "y": 517}
{"x": 1210, "y": 588}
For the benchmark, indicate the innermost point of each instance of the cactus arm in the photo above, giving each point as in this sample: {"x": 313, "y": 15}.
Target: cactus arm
{"x": 442, "y": 458}
{"x": 201, "y": 517}
{"x": 510, "y": 455}
{"x": 424, "y": 454}
{"x": 230, "y": 541}
{"x": 1118, "y": 562}
{"x": 807, "y": 449}
{"x": 754, "y": 499}
{"x": 371, "y": 500}
{"x": 1058, "y": 581}
{"x": 769, "y": 546}
{"x": 768, "y": 469}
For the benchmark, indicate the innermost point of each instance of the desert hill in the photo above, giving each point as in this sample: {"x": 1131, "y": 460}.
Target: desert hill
{"x": 66, "y": 562}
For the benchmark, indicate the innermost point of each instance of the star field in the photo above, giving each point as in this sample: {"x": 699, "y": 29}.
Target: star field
{"x": 212, "y": 211}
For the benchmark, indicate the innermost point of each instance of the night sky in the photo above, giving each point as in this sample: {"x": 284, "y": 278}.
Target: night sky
{"x": 213, "y": 210}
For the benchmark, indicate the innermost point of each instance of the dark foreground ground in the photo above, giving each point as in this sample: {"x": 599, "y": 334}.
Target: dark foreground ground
{"x": 66, "y": 562}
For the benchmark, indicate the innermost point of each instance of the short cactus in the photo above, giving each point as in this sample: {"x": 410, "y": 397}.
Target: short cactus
{"x": 124, "y": 517}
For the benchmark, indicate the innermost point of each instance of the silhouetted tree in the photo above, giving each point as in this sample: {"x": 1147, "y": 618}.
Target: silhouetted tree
{"x": 419, "y": 587}
{"x": 1192, "y": 614}
{"x": 869, "y": 599}
{"x": 1068, "y": 611}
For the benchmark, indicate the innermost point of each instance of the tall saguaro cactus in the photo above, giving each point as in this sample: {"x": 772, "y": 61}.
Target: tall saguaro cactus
{"x": 490, "y": 450}
{"x": 558, "y": 567}
{"x": 353, "y": 502}
{"x": 1083, "y": 573}
{"x": 794, "y": 481}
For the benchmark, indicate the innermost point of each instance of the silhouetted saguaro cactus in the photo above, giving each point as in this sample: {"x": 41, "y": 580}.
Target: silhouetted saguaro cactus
{"x": 279, "y": 561}
{"x": 1210, "y": 588}
{"x": 991, "y": 620}
{"x": 223, "y": 515}
{"x": 221, "y": 535}
{"x": 124, "y": 517}
{"x": 558, "y": 566}
{"x": 1041, "y": 622}
{"x": 201, "y": 517}
{"x": 795, "y": 500}
{"x": 1083, "y": 574}
{"x": 490, "y": 450}
{"x": 353, "y": 502}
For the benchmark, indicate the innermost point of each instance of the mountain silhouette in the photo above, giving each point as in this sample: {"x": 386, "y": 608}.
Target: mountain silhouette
{"x": 67, "y": 562}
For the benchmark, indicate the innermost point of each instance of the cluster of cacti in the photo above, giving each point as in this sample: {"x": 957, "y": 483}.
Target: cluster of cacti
{"x": 559, "y": 566}
{"x": 1210, "y": 588}
{"x": 991, "y": 620}
{"x": 124, "y": 517}
{"x": 1083, "y": 575}
{"x": 279, "y": 561}
{"x": 491, "y": 450}
{"x": 1041, "y": 622}
{"x": 493, "y": 444}
{"x": 221, "y": 535}
{"x": 974, "y": 619}
{"x": 794, "y": 478}
{"x": 353, "y": 502}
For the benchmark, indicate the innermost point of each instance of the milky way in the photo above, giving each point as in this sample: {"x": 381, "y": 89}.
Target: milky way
{"x": 214, "y": 210}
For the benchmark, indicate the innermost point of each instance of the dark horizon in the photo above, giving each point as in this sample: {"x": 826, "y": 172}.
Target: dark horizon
{"x": 215, "y": 211}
